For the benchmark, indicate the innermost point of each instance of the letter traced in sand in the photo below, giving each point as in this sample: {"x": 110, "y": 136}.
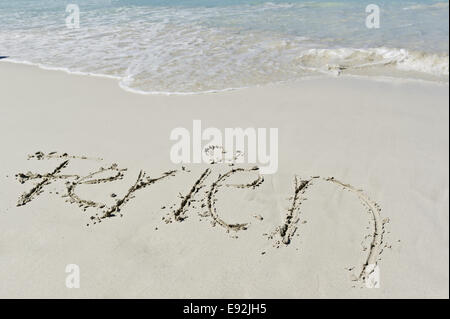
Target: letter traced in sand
{"x": 179, "y": 214}
{"x": 87, "y": 180}
{"x": 142, "y": 182}
{"x": 376, "y": 246}
{"x": 289, "y": 227}
{"x": 287, "y": 230}
{"x": 39, "y": 187}
{"x": 215, "y": 188}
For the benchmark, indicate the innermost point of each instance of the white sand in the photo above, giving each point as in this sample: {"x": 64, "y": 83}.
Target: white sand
{"x": 389, "y": 139}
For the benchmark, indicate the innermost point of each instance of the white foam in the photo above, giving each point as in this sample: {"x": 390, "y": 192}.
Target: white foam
{"x": 164, "y": 50}
{"x": 402, "y": 59}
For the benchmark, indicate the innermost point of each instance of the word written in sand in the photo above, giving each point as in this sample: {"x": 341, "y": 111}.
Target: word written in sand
{"x": 201, "y": 197}
{"x": 261, "y": 149}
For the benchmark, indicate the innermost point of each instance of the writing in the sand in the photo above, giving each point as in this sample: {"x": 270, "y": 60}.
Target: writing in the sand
{"x": 201, "y": 197}
{"x": 113, "y": 173}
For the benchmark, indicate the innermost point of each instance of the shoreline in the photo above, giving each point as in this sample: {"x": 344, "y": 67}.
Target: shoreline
{"x": 381, "y": 78}
{"x": 388, "y": 139}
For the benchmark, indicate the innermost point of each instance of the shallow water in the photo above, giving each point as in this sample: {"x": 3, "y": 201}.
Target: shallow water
{"x": 189, "y": 46}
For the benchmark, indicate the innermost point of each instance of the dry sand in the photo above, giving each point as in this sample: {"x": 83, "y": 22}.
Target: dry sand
{"x": 307, "y": 236}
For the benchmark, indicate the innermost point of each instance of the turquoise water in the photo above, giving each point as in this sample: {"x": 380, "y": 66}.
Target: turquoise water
{"x": 186, "y": 46}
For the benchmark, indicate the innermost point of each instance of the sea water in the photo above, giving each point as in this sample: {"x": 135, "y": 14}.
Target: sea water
{"x": 193, "y": 46}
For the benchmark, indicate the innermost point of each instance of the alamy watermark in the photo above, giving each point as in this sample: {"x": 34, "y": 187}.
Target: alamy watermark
{"x": 73, "y": 19}
{"x": 373, "y": 19}
{"x": 255, "y": 145}
{"x": 73, "y": 277}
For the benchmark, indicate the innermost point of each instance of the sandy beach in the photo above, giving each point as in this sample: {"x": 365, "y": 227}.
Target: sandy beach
{"x": 362, "y": 179}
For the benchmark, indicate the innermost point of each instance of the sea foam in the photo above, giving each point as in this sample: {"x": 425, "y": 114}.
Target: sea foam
{"x": 189, "y": 47}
